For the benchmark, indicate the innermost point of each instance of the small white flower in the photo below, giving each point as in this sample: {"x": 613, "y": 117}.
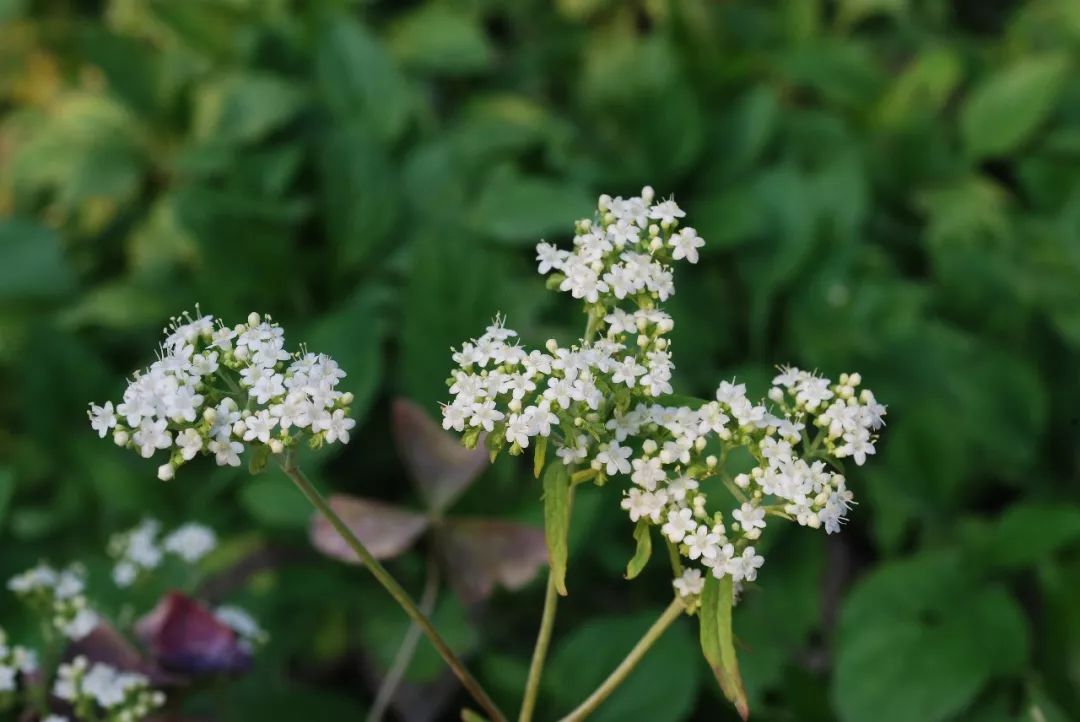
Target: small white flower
{"x": 690, "y": 583}
{"x": 191, "y": 542}
{"x": 102, "y": 418}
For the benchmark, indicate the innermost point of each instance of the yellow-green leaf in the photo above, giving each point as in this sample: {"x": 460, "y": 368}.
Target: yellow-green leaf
{"x": 557, "y": 521}
{"x": 717, "y": 642}
{"x": 539, "y": 455}
{"x": 643, "y": 534}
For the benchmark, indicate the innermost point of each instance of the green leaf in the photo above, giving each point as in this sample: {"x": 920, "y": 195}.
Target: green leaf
{"x": 244, "y": 107}
{"x": 273, "y": 502}
{"x": 1004, "y": 111}
{"x": 358, "y": 79}
{"x": 521, "y": 209}
{"x": 1031, "y": 532}
{"x": 441, "y": 40}
{"x": 662, "y": 688}
{"x": 360, "y": 198}
{"x": 539, "y": 455}
{"x": 717, "y": 641}
{"x": 643, "y": 534}
{"x": 919, "y": 640}
{"x": 32, "y": 262}
{"x": 557, "y": 503}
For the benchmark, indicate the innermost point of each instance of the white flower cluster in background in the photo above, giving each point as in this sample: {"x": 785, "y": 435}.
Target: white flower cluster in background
{"x": 98, "y": 691}
{"x": 59, "y": 596}
{"x": 14, "y": 660}
{"x": 605, "y": 404}
{"x": 246, "y": 627}
{"x": 142, "y": 549}
{"x": 217, "y": 390}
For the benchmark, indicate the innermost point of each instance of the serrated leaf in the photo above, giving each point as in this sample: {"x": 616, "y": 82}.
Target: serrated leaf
{"x": 717, "y": 641}
{"x": 643, "y": 535}
{"x": 386, "y": 530}
{"x": 557, "y": 502}
{"x": 1005, "y": 109}
{"x": 437, "y": 462}
{"x": 481, "y": 553}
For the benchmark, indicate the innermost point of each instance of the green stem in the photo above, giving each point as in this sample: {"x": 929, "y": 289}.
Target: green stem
{"x": 407, "y": 649}
{"x": 543, "y": 641}
{"x": 396, "y": 591}
{"x": 673, "y": 612}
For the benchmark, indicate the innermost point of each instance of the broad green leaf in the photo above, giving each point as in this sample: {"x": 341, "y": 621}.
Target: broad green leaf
{"x": 441, "y": 40}
{"x": 920, "y": 638}
{"x": 662, "y": 688}
{"x": 359, "y": 191}
{"x": 358, "y": 79}
{"x": 1005, "y": 110}
{"x": 557, "y": 503}
{"x": 273, "y": 501}
{"x": 520, "y": 209}
{"x": 643, "y": 535}
{"x": 32, "y": 262}
{"x": 922, "y": 89}
{"x": 1028, "y": 533}
{"x": 244, "y": 107}
{"x": 717, "y": 640}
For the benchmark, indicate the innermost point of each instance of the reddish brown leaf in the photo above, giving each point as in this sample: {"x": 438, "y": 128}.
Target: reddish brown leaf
{"x": 386, "y": 530}
{"x": 184, "y": 636}
{"x": 481, "y": 553}
{"x": 441, "y": 467}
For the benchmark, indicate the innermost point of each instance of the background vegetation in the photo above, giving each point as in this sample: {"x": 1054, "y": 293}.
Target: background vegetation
{"x": 890, "y": 186}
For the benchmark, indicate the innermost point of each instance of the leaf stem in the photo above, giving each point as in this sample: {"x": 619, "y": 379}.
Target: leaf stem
{"x": 673, "y": 612}
{"x": 391, "y": 585}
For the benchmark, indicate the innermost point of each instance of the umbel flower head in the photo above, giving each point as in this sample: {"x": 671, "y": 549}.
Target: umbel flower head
{"x": 605, "y": 405}
{"x": 218, "y": 390}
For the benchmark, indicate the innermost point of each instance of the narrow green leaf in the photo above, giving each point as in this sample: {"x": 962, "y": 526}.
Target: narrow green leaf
{"x": 557, "y": 521}
{"x": 539, "y": 455}
{"x": 717, "y": 642}
{"x": 643, "y": 534}
{"x": 467, "y": 715}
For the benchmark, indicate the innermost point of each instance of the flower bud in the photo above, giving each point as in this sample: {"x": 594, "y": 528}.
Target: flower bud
{"x": 276, "y": 446}
{"x": 121, "y": 437}
{"x": 347, "y": 398}
{"x": 649, "y": 446}
{"x": 166, "y": 472}
{"x": 552, "y": 345}
{"x": 239, "y": 428}
{"x": 647, "y": 194}
{"x": 253, "y": 319}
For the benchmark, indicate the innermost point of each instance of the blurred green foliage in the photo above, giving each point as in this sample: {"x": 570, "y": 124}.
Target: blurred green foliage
{"x": 889, "y": 186}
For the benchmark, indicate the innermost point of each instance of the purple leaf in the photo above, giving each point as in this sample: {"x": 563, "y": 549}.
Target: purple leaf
{"x": 441, "y": 467}
{"x": 481, "y": 553}
{"x": 184, "y": 636}
{"x": 386, "y": 530}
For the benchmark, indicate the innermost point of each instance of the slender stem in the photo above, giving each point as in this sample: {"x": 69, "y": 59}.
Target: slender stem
{"x": 408, "y": 647}
{"x": 543, "y": 639}
{"x": 673, "y": 612}
{"x": 396, "y": 591}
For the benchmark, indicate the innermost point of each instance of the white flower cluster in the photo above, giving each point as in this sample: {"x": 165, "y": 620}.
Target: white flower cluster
{"x": 98, "y": 691}
{"x": 58, "y": 595}
{"x": 605, "y": 405}
{"x": 216, "y": 389}
{"x": 14, "y": 660}
{"x": 140, "y": 549}
{"x": 240, "y": 621}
